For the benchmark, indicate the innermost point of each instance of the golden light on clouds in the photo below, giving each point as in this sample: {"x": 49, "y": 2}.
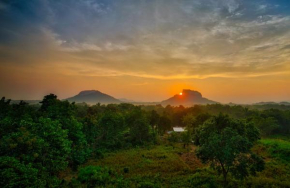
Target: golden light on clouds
{"x": 230, "y": 51}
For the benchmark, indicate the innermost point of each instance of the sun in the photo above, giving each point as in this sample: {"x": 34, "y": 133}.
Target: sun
{"x": 180, "y": 93}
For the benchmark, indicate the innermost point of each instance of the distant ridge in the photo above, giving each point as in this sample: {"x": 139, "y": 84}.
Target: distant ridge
{"x": 272, "y": 103}
{"x": 93, "y": 97}
{"x": 124, "y": 100}
{"x": 188, "y": 98}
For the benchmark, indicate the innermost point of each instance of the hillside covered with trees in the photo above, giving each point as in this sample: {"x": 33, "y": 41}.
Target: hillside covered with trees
{"x": 61, "y": 144}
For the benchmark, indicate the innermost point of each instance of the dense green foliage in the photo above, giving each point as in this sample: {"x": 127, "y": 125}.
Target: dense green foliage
{"x": 278, "y": 148}
{"x": 226, "y": 144}
{"x": 41, "y": 141}
{"x": 57, "y": 143}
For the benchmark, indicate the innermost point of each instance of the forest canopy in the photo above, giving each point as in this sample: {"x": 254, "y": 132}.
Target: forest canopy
{"x": 39, "y": 142}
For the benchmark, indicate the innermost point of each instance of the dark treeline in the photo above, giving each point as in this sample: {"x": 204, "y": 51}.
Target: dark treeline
{"x": 37, "y": 142}
{"x": 268, "y": 120}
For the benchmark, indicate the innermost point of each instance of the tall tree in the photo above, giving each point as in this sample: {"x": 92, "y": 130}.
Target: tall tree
{"x": 226, "y": 143}
{"x": 139, "y": 127}
{"x": 111, "y": 129}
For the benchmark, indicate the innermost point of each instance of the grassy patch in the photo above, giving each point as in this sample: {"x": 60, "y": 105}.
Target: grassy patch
{"x": 163, "y": 160}
{"x": 276, "y": 153}
{"x": 155, "y": 166}
{"x": 175, "y": 167}
{"x": 278, "y": 148}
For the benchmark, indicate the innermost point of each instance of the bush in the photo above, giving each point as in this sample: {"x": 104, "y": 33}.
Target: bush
{"x": 263, "y": 182}
{"x": 79, "y": 156}
{"x": 95, "y": 175}
{"x": 126, "y": 170}
{"x": 174, "y": 137}
{"x": 16, "y": 174}
{"x": 203, "y": 180}
{"x": 278, "y": 148}
{"x": 146, "y": 184}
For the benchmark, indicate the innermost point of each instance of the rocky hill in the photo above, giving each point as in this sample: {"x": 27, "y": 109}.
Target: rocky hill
{"x": 93, "y": 97}
{"x": 187, "y": 98}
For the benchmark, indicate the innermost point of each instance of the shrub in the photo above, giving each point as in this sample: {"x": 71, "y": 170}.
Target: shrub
{"x": 13, "y": 173}
{"x": 95, "y": 175}
{"x": 203, "y": 180}
{"x": 278, "y": 148}
{"x": 147, "y": 184}
{"x": 174, "y": 137}
{"x": 126, "y": 170}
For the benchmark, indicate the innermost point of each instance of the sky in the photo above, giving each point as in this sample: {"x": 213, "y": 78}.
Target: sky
{"x": 146, "y": 50}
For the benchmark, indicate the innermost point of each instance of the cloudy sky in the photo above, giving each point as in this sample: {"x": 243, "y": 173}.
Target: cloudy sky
{"x": 146, "y": 50}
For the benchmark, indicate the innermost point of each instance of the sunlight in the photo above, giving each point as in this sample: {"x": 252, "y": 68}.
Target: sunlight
{"x": 180, "y": 93}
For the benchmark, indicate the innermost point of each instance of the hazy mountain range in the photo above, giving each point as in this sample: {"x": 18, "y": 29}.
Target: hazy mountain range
{"x": 186, "y": 98}
{"x": 126, "y": 100}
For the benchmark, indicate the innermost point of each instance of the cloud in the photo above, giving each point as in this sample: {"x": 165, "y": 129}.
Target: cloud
{"x": 3, "y": 6}
{"x": 150, "y": 39}
{"x": 286, "y": 47}
{"x": 232, "y": 5}
{"x": 76, "y": 47}
{"x": 140, "y": 84}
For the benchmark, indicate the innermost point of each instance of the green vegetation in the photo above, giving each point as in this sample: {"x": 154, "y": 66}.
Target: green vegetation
{"x": 226, "y": 144}
{"x": 62, "y": 144}
{"x": 278, "y": 148}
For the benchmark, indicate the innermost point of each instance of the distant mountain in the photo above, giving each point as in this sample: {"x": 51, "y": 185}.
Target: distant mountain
{"x": 187, "y": 98}
{"x": 126, "y": 100}
{"x": 93, "y": 97}
{"x": 285, "y": 103}
{"x": 273, "y": 103}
